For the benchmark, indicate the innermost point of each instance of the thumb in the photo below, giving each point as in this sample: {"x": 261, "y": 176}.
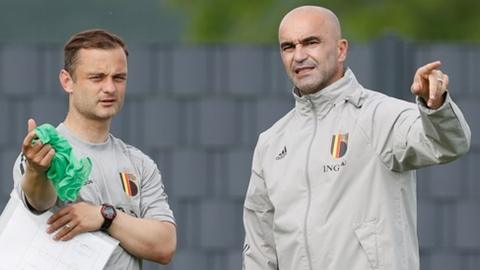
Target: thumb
{"x": 31, "y": 124}
{"x": 416, "y": 88}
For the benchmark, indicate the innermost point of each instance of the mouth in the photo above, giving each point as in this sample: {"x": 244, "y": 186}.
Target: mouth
{"x": 303, "y": 70}
{"x": 107, "y": 101}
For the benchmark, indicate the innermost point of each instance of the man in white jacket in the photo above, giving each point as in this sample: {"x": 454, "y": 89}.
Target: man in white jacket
{"x": 333, "y": 183}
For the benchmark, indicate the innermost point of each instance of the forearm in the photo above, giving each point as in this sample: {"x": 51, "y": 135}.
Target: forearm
{"x": 145, "y": 238}
{"x": 39, "y": 191}
{"x": 259, "y": 248}
{"x": 259, "y": 251}
{"x": 444, "y": 128}
{"x": 410, "y": 137}
{"x": 447, "y": 129}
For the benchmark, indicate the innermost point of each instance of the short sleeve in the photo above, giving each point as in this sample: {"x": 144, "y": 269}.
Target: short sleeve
{"x": 154, "y": 199}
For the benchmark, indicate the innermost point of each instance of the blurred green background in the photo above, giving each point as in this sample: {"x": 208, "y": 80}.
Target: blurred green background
{"x": 227, "y": 21}
{"x": 184, "y": 91}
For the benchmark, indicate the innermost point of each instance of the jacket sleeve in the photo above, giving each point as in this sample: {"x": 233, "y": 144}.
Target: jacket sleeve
{"x": 408, "y": 137}
{"x": 259, "y": 248}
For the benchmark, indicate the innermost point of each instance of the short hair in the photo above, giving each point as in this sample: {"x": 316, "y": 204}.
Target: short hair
{"x": 89, "y": 39}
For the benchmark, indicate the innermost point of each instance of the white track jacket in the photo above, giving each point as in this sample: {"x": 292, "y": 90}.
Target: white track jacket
{"x": 333, "y": 183}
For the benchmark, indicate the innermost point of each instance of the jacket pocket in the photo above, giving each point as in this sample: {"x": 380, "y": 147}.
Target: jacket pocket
{"x": 366, "y": 234}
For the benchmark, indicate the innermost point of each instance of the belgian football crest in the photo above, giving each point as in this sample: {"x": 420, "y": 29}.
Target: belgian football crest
{"x": 339, "y": 145}
{"x": 129, "y": 184}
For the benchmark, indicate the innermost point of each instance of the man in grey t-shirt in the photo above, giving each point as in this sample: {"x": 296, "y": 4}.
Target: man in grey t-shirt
{"x": 124, "y": 196}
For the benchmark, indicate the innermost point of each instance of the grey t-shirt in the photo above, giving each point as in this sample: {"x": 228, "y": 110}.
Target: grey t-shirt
{"x": 122, "y": 176}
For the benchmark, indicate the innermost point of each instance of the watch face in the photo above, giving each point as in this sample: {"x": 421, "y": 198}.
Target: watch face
{"x": 108, "y": 212}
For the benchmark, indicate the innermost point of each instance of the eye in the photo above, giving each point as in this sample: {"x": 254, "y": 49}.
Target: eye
{"x": 312, "y": 42}
{"x": 120, "y": 78}
{"x": 95, "y": 78}
{"x": 287, "y": 47}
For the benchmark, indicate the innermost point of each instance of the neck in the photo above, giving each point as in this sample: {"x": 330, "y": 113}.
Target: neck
{"x": 90, "y": 130}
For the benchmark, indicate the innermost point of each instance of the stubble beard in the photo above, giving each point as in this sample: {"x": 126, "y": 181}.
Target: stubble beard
{"x": 314, "y": 83}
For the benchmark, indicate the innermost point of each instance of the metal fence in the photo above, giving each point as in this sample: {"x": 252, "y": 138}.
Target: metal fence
{"x": 197, "y": 111}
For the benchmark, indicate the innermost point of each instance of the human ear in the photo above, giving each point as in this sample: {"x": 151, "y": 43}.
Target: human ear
{"x": 66, "y": 81}
{"x": 342, "y": 50}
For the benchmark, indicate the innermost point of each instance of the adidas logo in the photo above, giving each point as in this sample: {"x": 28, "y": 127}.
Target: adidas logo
{"x": 282, "y": 154}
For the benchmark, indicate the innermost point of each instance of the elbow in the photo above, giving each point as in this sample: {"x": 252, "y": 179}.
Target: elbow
{"x": 164, "y": 255}
{"x": 163, "y": 251}
{"x": 161, "y": 248}
{"x": 166, "y": 258}
{"x": 462, "y": 147}
{"x": 467, "y": 142}
{"x": 464, "y": 142}
{"x": 447, "y": 155}
{"x": 465, "y": 148}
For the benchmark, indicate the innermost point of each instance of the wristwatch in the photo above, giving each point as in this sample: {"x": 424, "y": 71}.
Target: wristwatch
{"x": 109, "y": 213}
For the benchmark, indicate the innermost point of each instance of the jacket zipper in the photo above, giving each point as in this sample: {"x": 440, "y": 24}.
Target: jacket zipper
{"x": 309, "y": 192}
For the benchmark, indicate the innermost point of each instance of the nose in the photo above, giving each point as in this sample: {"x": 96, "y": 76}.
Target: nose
{"x": 299, "y": 55}
{"x": 109, "y": 86}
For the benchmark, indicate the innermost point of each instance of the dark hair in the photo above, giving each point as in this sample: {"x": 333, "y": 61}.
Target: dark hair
{"x": 89, "y": 39}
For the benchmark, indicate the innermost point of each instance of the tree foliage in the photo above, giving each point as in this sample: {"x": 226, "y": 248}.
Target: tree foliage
{"x": 230, "y": 21}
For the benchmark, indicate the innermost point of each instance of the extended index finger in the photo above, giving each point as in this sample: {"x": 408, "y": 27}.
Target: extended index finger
{"x": 31, "y": 124}
{"x": 428, "y": 68}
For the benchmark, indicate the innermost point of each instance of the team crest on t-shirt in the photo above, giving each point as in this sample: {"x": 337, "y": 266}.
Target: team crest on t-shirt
{"x": 339, "y": 145}
{"x": 129, "y": 184}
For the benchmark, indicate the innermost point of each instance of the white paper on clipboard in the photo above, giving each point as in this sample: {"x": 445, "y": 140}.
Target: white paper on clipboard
{"x": 25, "y": 245}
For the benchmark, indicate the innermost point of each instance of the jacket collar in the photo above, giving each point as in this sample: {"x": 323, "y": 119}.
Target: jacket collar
{"x": 346, "y": 89}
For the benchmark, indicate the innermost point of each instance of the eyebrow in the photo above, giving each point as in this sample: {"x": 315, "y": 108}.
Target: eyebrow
{"x": 311, "y": 38}
{"x": 94, "y": 73}
{"x": 302, "y": 41}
